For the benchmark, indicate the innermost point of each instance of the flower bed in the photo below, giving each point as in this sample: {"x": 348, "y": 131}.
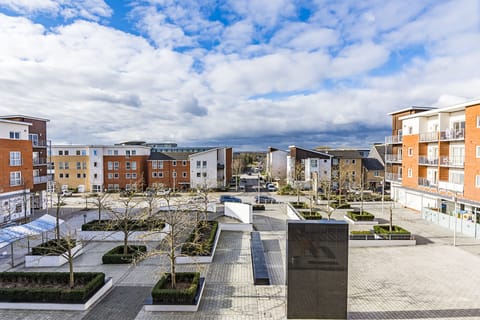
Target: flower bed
{"x": 314, "y": 215}
{"x": 49, "y": 286}
{"x": 204, "y": 244}
{"x": 116, "y": 256}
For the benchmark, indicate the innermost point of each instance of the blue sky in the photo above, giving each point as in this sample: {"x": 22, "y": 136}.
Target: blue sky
{"x": 248, "y": 74}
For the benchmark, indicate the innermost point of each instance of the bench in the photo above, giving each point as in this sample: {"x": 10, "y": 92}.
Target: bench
{"x": 260, "y": 271}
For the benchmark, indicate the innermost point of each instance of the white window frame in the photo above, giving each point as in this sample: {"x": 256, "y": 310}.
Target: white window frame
{"x": 477, "y": 151}
{"x": 477, "y": 181}
{"x": 409, "y": 172}
{"x": 134, "y": 165}
{"x": 154, "y": 164}
{"x": 15, "y": 178}
{"x": 15, "y": 135}
{"x": 15, "y": 158}
{"x": 410, "y": 151}
{"x": 109, "y": 165}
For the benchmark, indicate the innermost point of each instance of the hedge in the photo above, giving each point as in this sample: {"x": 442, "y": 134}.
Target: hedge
{"x": 258, "y": 207}
{"x": 163, "y": 294}
{"x": 86, "y": 284}
{"x": 53, "y": 247}
{"x": 116, "y": 256}
{"x": 385, "y": 229}
{"x": 117, "y": 225}
{"x": 360, "y": 216}
{"x": 193, "y": 248}
{"x": 315, "y": 215}
{"x": 299, "y": 205}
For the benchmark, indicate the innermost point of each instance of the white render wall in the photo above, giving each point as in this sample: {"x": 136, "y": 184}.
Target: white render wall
{"x": 7, "y": 126}
{"x": 210, "y": 181}
{"x": 277, "y": 162}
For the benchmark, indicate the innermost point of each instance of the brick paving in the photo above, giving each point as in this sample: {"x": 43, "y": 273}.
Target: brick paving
{"x": 433, "y": 280}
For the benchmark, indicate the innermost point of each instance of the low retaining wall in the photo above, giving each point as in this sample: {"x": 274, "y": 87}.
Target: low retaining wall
{"x": 200, "y": 259}
{"x": 118, "y": 235}
{"x": 51, "y": 261}
{"x": 381, "y": 243}
{"x": 351, "y": 221}
{"x": 239, "y": 211}
{"x": 177, "y": 307}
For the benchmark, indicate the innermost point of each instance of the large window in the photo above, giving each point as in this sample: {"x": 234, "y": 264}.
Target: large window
{"x": 313, "y": 163}
{"x": 34, "y": 138}
{"x": 15, "y": 178}
{"x": 15, "y": 135}
{"x": 110, "y": 165}
{"x": 116, "y": 165}
{"x": 134, "y": 165}
{"x": 15, "y": 158}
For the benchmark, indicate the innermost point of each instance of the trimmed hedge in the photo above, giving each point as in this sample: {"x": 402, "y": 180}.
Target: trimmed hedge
{"x": 163, "y": 294}
{"x": 315, "y": 215}
{"x": 299, "y": 205}
{"x": 53, "y": 247}
{"x": 116, "y": 256}
{"x": 194, "y": 248}
{"x": 385, "y": 229}
{"x": 117, "y": 225}
{"x": 360, "y": 216}
{"x": 86, "y": 284}
{"x": 258, "y": 207}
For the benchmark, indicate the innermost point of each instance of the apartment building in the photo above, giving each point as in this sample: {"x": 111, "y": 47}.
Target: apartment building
{"x": 276, "y": 164}
{"x": 347, "y": 167}
{"x": 211, "y": 168}
{"x": 37, "y": 134}
{"x": 95, "y": 168}
{"x": 304, "y": 165}
{"x": 16, "y": 168}
{"x": 440, "y": 157}
{"x": 169, "y": 170}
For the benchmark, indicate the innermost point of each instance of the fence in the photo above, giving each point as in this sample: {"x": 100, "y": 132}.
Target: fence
{"x": 462, "y": 222}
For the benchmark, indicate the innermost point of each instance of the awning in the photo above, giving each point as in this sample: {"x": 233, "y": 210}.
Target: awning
{"x": 14, "y": 233}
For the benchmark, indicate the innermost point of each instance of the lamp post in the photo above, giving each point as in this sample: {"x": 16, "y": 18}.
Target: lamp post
{"x": 455, "y": 221}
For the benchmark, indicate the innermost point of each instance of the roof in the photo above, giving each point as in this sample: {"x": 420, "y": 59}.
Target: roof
{"x": 24, "y": 116}
{"x": 313, "y": 152}
{"x": 372, "y": 164}
{"x": 345, "y": 153}
{"x": 410, "y": 109}
{"x": 15, "y": 122}
{"x": 380, "y": 150}
{"x": 178, "y": 155}
{"x": 159, "y": 156}
{"x": 454, "y": 108}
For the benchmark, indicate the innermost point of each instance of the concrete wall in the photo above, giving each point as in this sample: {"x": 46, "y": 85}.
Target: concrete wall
{"x": 240, "y": 211}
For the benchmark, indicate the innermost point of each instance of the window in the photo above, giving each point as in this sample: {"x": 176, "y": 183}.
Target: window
{"x": 77, "y": 152}
{"x": 34, "y": 138}
{"x": 110, "y": 152}
{"x": 313, "y": 163}
{"x": 353, "y": 161}
{"x": 94, "y": 152}
{"x": 204, "y": 174}
{"x": 115, "y": 152}
{"x": 198, "y": 175}
{"x": 134, "y": 152}
{"x": 184, "y": 174}
{"x": 128, "y": 176}
{"x": 60, "y": 152}
{"x": 95, "y": 176}
{"x": 174, "y": 163}
{"x": 15, "y": 135}
{"x": 95, "y": 164}
{"x": 67, "y": 175}
{"x": 84, "y": 152}
{"x": 199, "y": 163}
{"x": 110, "y": 165}
{"x": 116, "y": 165}
{"x": 110, "y": 176}
{"x": 67, "y": 165}
{"x": 127, "y": 153}
{"x": 15, "y": 178}
{"x": 154, "y": 164}
{"x": 410, "y": 151}
{"x": 354, "y": 173}
{"x": 477, "y": 181}
{"x": 36, "y": 173}
{"x": 61, "y": 175}
{"x": 84, "y": 175}
{"x": 174, "y": 174}
{"x": 160, "y": 174}
{"x": 409, "y": 172}
{"x": 184, "y": 163}
{"x": 134, "y": 176}
{"x": 478, "y": 121}
{"x": 410, "y": 130}
{"x": 376, "y": 173}
{"x": 134, "y": 165}
{"x": 127, "y": 165}
{"x": 15, "y": 158}
{"x": 60, "y": 165}
{"x": 154, "y": 174}
{"x": 84, "y": 165}
{"x": 127, "y": 187}
{"x": 478, "y": 151}
{"x": 116, "y": 176}
{"x": 79, "y": 166}
{"x": 160, "y": 164}
{"x": 204, "y": 164}
{"x": 79, "y": 175}
{"x": 347, "y": 161}
{"x": 65, "y": 152}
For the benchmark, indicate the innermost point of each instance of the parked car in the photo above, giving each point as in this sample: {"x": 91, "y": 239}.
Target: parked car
{"x": 228, "y": 198}
{"x": 271, "y": 187}
{"x": 265, "y": 199}
{"x": 67, "y": 193}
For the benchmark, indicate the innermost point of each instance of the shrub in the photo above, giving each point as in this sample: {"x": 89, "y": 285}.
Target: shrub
{"x": 385, "y": 229}
{"x": 314, "y": 215}
{"x": 204, "y": 245}
{"x": 258, "y": 207}
{"x": 53, "y": 247}
{"x": 116, "y": 256}
{"x": 299, "y": 205}
{"x": 116, "y": 225}
{"x": 162, "y": 294}
{"x": 360, "y": 216}
{"x": 31, "y": 290}
{"x": 361, "y": 232}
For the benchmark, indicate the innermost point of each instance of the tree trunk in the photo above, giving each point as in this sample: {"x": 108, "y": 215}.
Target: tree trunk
{"x": 70, "y": 266}
{"x": 173, "y": 279}
{"x": 57, "y": 222}
{"x": 125, "y": 238}
{"x": 391, "y": 220}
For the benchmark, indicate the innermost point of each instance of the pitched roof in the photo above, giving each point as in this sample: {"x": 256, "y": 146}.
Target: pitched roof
{"x": 372, "y": 164}
{"x": 159, "y": 156}
{"x": 345, "y": 153}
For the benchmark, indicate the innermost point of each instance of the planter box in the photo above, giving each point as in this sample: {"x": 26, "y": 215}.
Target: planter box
{"x": 381, "y": 243}
{"x": 346, "y": 218}
{"x": 60, "y": 306}
{"x": 118, "y": 235}
{"x": 149, "y": 306}
{"x": 51, "y": 261}
{"x": 200, "y": 259}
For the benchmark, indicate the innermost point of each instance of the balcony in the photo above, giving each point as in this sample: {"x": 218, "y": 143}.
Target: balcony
{"x": 427, "y": 161}
{"x": 396, "y": 158}
{"x": 393, "y": 139}
{"x": 39, "y": 144}
{"x": 42, "y": 179}
{"x": 39, "y": 161}
{"x": 455, "y": 162}
{"x": 424, "y": 182}
{"x": 393, "y": 177}
{"x": 450, "y": 186}
{"x": 452, "y": 134}
{"x": 429, "y": 136}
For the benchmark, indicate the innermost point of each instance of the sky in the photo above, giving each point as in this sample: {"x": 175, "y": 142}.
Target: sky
{"x": 242, "y": 73}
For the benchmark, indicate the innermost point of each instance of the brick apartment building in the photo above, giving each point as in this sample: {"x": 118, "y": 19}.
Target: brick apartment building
{"x": 433, "y": 157}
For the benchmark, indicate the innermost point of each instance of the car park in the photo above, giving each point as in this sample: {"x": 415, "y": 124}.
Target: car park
{"x": 265, "y": 199}
{"x": 228, "y": 198}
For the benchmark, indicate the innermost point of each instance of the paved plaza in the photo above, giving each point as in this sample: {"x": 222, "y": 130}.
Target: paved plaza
{"x": 433, "y": 280}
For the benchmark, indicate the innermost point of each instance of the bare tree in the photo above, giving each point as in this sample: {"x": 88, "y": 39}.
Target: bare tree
{"x": 101, "y": 202}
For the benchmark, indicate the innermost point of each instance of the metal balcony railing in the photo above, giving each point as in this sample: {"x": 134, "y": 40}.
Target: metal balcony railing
{"x": 429, "y": 136}
{"x": 393, "y": 139}
{"x": 42, "y": 179}
{"x": 393, "y": 158}
{"x": 393, "y": 177}
{"x": 39, "y": 143}
{"x": 424, "y": 182}
{"x": 457, "y": 162}
{"x": 452, "y": 134}
{"x": 39, "y": 161}
{"x": 429, "y": 161}
{"x": 450, "y": 186}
